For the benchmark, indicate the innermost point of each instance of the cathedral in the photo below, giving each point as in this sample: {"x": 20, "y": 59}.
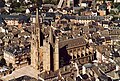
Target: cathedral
{"x": 49, "y": 51}
{"x": 44, "y": 52}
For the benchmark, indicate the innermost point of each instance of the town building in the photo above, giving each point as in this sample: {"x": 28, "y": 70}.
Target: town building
{"x": 17, "y": 56}
{"x": 76, "y": 40}
{"x": 15, "y": 20}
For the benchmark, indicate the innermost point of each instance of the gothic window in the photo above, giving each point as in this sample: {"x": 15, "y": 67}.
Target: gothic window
{"x": 78, "y": 56}
{"x": 86, "y": 54}
{"x": 82, "y": 55}
{"x": 70, "y": 51}
{"x": 79, "y": 48}
{"x": 33, "y": 39}
{"x": 89, "y": 58}
{"x": 74, "y": 50}
{"x": 82, "y": 48}
{"x": 74, "y": 57}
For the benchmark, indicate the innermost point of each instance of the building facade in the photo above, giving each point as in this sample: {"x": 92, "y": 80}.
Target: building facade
{"x": 17, "y": 56}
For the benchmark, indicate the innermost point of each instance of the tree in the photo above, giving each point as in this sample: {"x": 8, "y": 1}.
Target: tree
{"x": 118, "y": 7}
{"x": 114, "y": 11}
{"x": 15, "y": 4}
{"x": 51, "y": 2}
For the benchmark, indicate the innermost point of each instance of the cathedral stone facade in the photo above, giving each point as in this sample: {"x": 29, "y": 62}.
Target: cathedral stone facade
{"x": 49, "y": 52}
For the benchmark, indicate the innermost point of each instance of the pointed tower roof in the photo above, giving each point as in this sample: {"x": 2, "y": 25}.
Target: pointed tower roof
{"x": 38, "y": 27}
{"x": 37, "y": 18}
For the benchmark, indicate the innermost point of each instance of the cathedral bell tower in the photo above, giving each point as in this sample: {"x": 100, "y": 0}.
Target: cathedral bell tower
{"x": 51, "y": 52}
{"x": 36, "y": 43}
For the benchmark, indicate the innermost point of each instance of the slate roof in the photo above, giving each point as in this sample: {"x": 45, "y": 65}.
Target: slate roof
{"x": 23, "y": 18}
{"x": 116, "y": 21}
{"x": 67, "y": 17}
{"x": 2, "y": 20}
{"x": 71, "y": 43}
{"x": 16, "y": 50}
{"x": 90, "y": 18}
{"x": 49, "y": 16}
{"x": 103, "y": 6}
{"x": 82, "y": 17}
{"x": 9, "y": 17}
{"x": 88, "y": 65}
{"x": 2, "y": 3}
{"x": 105, "y": 22}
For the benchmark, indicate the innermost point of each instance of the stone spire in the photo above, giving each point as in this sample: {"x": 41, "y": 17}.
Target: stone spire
{"x": 38, "y": 27}
{"x": 35, "y": 43}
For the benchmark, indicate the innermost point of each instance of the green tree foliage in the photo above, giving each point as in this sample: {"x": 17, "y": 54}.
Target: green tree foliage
{"x": 18, "y": 6}
{"x": 51, "y": 2}
{"x": 118, "y": 7}
{"x": 33, "y": 1}
{"x": 20, "y": 10}
{"x": 113, "y": 12}
{"x": 15, "y": 4}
